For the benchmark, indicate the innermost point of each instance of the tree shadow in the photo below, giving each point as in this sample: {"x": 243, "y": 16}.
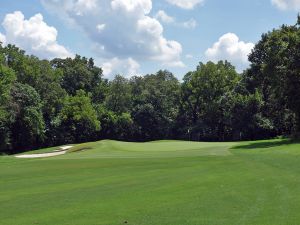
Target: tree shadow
{"x": 267, "y": 144}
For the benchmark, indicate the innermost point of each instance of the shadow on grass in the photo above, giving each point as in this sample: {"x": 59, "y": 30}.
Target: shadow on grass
{"x": 80, "y": 149}
{"x": 267, "y": 144}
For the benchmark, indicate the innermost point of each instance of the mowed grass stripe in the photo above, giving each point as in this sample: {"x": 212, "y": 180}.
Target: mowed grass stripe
{"x": 259, "y": 185}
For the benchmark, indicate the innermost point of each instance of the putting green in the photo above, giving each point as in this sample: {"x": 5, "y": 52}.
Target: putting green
{"x": 164, "y": 183}
{"x": 157, "y": 149}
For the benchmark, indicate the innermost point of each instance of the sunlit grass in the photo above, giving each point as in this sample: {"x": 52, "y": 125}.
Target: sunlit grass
{"x": 161, "y": 183}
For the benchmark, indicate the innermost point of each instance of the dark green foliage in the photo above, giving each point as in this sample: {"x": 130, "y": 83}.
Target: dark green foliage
{"x": 27, "y": 128}
{"x": 46, "y": 103}
{"x": 275, "y": 71}
{"x": 204, "y": 97}
{"x": 7, "y": 78}
{"x": 118, "y": 98}
{"x": 78, "y": 74}
{"x": 77, "y": 121}
{"x": 155, "y": 105}
{"x": 115, "y": 125}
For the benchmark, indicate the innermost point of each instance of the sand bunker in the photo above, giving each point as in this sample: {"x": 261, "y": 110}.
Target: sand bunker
{"x": 62, "y": 151}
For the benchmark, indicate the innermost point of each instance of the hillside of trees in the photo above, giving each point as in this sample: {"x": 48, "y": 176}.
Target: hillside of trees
{"x": 48, "y": 103}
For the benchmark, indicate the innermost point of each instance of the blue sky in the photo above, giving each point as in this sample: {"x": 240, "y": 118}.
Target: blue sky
{"x": 142, "y": 36}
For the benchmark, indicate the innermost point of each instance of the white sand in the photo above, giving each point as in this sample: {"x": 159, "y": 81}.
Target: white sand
{"x": 66, "y": 147}
{"x": 43, "y": 155}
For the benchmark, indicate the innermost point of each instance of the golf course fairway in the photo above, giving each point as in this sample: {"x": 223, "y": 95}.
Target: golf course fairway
{"x": 155, "y": 183}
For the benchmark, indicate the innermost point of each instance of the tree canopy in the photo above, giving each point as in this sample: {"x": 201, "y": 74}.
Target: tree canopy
{"x": 46, "y": 103}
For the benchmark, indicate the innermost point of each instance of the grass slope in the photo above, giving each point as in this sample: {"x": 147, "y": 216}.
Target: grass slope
{"x": 161, "y": 183}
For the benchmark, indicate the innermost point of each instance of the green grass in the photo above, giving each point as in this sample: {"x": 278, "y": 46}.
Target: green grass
{"x": 155, "y": 183}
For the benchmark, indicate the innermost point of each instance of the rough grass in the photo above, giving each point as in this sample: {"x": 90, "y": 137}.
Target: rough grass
{"x": 155, "y": 183}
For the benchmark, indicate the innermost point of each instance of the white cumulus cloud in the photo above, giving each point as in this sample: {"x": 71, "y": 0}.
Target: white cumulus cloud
{"x": 129, "y": 30}
{"x": 33, "y": 35}
{"x": 128, "y": 67}
{"x": 189, "y": 56}
{"x": 190, "y": 24}
{"x": 185, "y": 4}
{"x": 100, "y": 27}
{"x": 164, "y": 17}
{"x": 2, "y": 39}
{"x": 230, "y": 48}
{"x": 287, "y": 4}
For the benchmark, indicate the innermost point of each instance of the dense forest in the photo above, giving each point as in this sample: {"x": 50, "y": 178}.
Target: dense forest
{"x": 47, "y": 103}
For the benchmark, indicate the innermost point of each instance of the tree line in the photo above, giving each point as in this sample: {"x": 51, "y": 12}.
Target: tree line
{"x": 48, "y": 103}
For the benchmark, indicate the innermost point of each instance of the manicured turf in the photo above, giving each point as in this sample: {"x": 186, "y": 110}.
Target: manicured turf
{"x": 156, "y": 183}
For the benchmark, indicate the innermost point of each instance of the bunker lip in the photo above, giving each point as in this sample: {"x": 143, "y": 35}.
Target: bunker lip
{"x": 62, "y": 151}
